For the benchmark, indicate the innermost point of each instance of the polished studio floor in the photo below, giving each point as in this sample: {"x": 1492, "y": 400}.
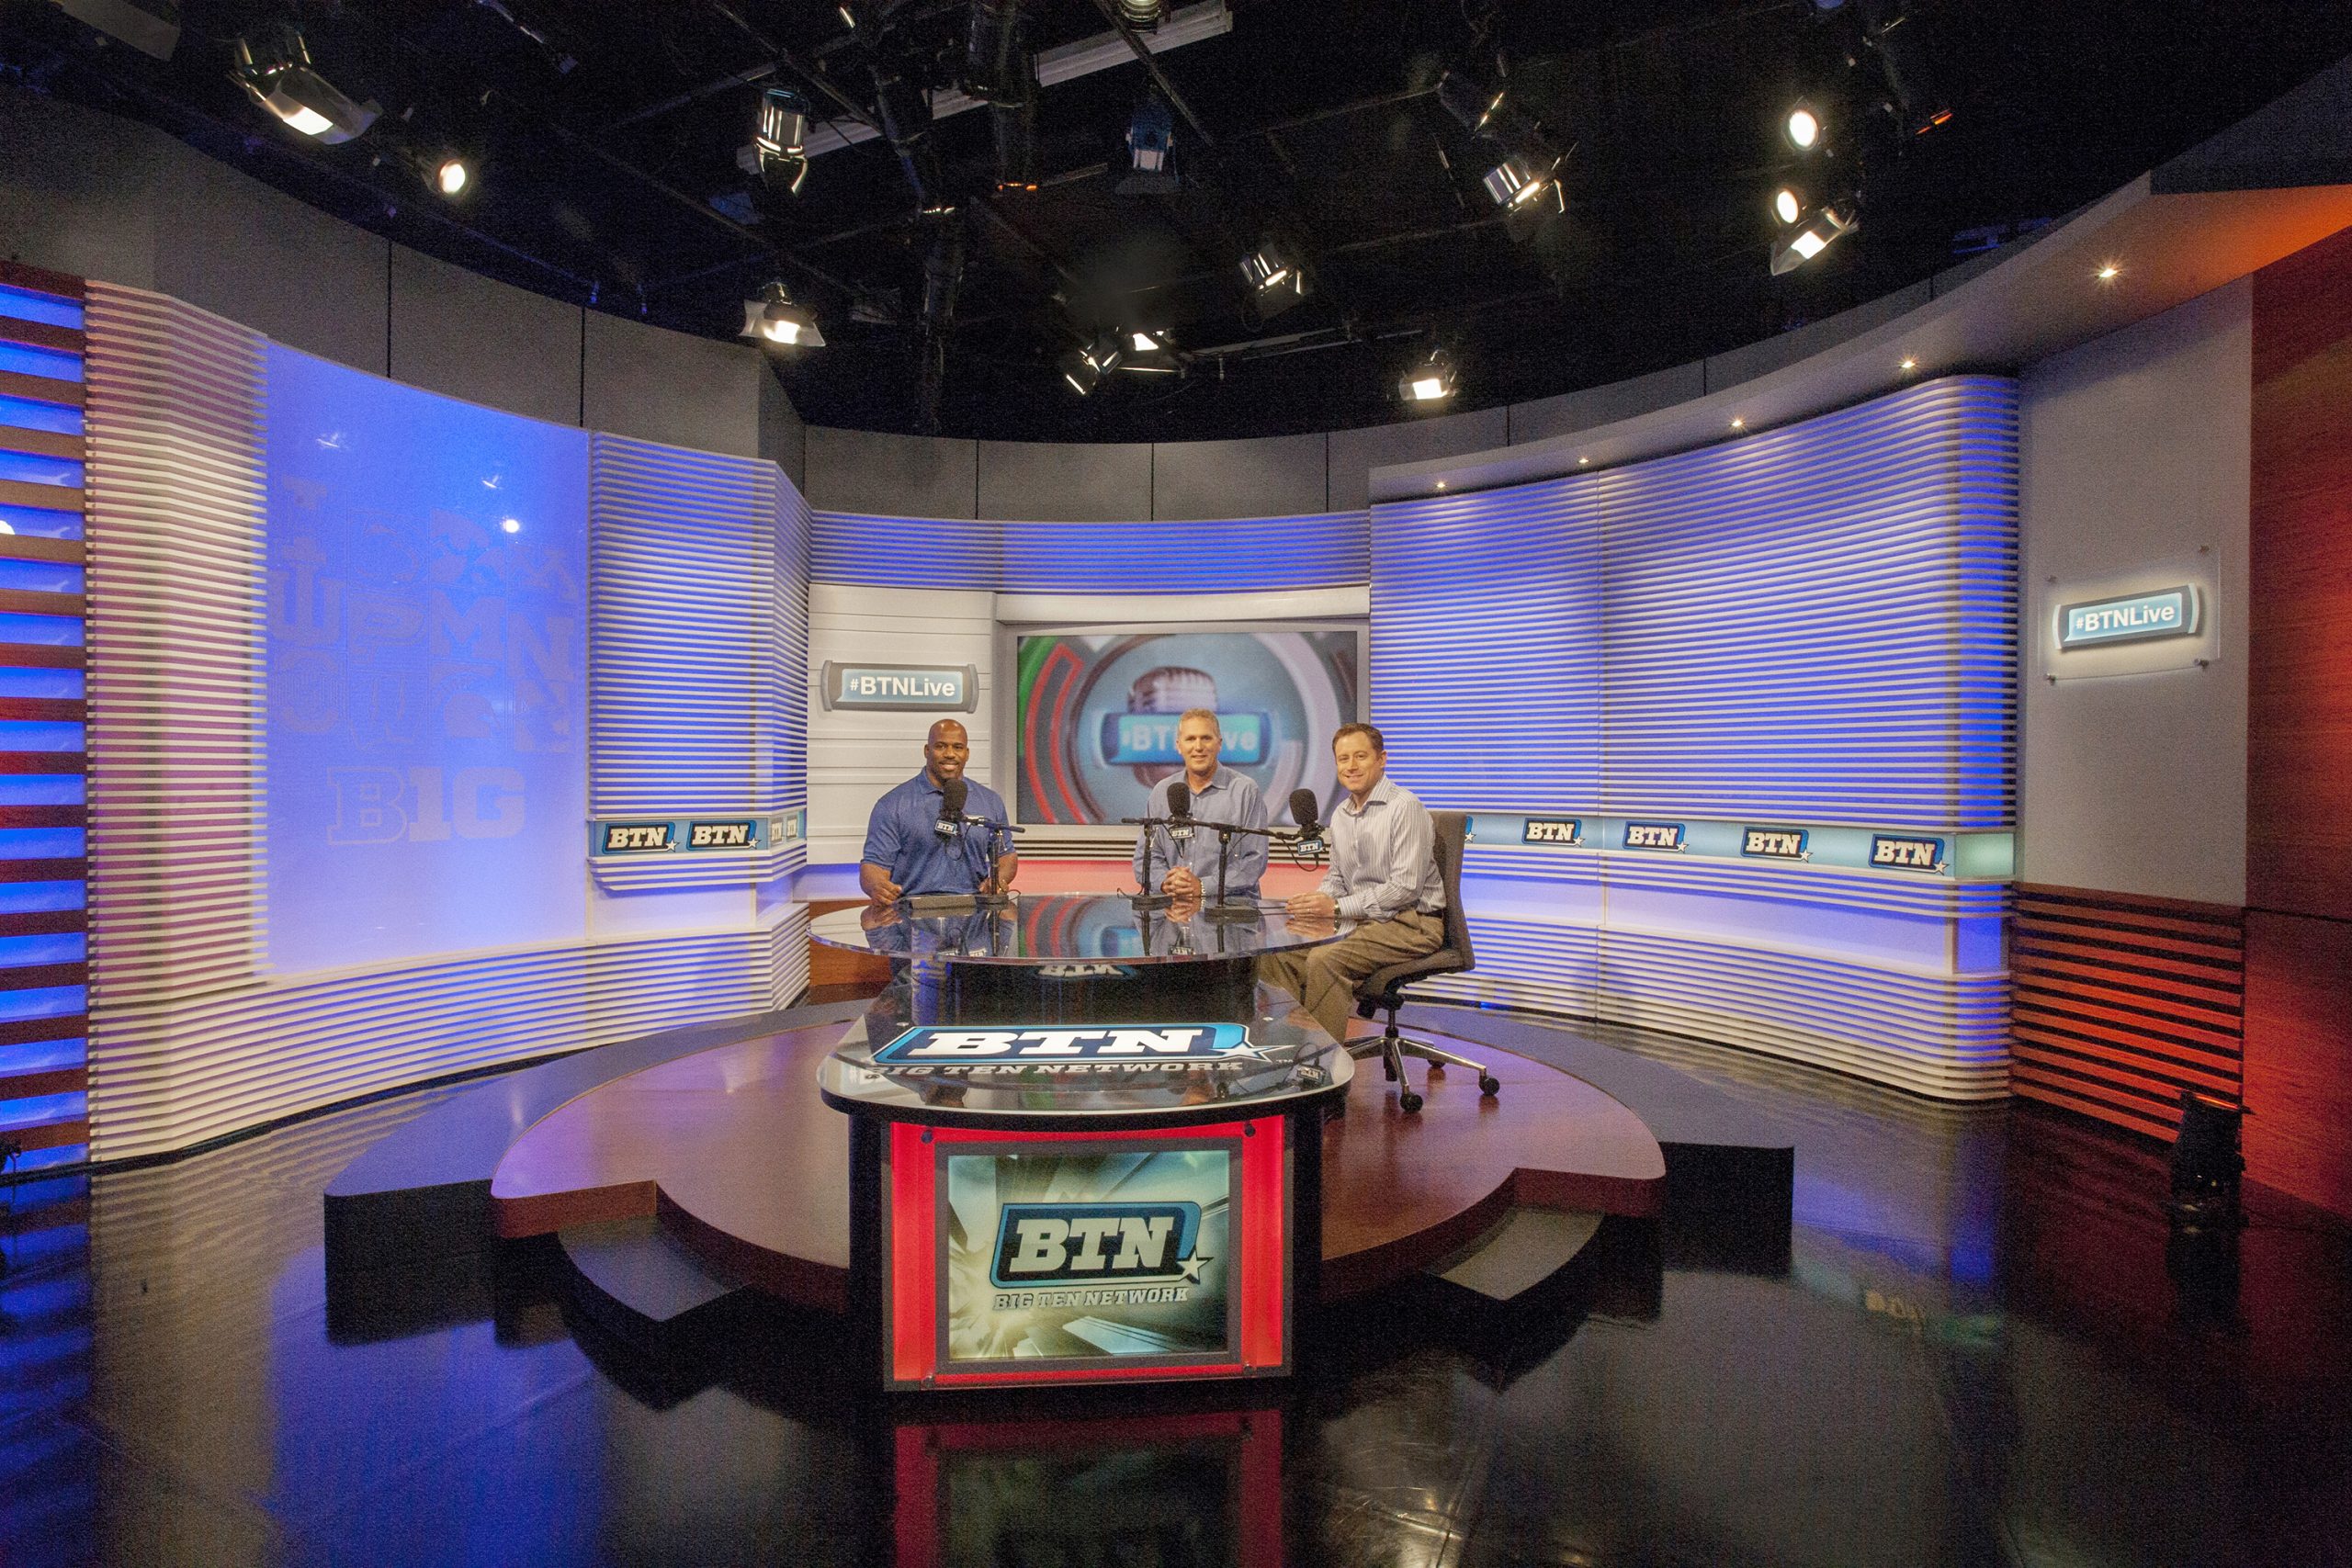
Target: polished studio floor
{"x": 1979, "y": 1346}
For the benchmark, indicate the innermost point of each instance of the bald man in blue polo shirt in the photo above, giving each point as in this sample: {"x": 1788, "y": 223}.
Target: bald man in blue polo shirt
{"x": 906, "y": 856}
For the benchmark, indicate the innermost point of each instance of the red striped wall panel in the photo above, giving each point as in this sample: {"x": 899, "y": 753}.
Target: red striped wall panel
{"x": 2119, "y": 1002}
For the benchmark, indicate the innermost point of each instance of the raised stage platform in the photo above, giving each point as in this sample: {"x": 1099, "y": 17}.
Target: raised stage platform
{"x": 684, "y": 1169}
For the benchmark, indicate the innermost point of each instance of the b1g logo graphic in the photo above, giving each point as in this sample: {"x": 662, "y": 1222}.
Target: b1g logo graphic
{"x": 1059, "y": 1244}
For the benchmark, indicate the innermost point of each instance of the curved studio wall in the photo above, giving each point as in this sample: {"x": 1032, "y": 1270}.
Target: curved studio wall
{"x": 1806, "y": 633}
{"x": 366, "y": 660}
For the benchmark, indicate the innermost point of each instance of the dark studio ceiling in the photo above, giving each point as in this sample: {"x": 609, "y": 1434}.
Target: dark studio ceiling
{"x": 605, "y": 137}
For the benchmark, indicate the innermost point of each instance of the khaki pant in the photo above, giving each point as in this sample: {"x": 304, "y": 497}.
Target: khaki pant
{"x": 1325, "y": 977}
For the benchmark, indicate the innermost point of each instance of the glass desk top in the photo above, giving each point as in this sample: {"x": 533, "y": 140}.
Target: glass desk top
{"x": 1064, "y": 928}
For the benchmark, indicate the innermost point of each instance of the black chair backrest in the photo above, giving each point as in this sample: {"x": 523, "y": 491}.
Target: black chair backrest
{"x": 1452, "y": 831}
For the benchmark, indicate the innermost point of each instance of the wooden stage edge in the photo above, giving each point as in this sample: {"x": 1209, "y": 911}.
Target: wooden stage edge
{"x": 732, "y": 1152}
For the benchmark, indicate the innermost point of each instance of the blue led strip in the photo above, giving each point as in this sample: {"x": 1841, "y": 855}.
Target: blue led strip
{"x": 44, "y": 995}
{"x": 1232, "y": 555}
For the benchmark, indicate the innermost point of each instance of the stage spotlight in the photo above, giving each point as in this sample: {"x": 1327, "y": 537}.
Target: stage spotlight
{"x": 450, "y": 176}
{"x": 1472, "y": 103}
{"x": 1144, "y": 342}
{"x": 272, "y": 65}
{"x": 1430, "y": 381}
{"x": 1787, "y": 205}
{"x": 772, "y": 317}
{"x": 781, "y": 138}
{"x": 1515, "y": 182}
{"x": 1274, "y": 278}
{"x": 1106, "y": 353}
{"x": 1079, "y": 370}
{"x": 1143, "y": 16}
{"x": 1151, "y": 145}
{"x": 1812, "y": 233}
{"x": 1803, "y": 127}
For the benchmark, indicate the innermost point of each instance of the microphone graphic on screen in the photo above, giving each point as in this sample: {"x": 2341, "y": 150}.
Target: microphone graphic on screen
{"x": 952, "y": 795}
{"x": 1303, "y": 811}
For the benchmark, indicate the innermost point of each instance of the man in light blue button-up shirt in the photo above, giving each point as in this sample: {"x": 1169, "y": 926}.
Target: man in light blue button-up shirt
{"x": 1384, "y": 877}
{"x": 1188, "y": 867}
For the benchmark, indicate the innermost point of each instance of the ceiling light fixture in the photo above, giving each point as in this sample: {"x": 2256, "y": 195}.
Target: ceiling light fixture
{"x": 1812, "y": 233}
{"x": 272, "y": 65}
{"x": 1143, "y": 16}
{"x": 1274, "y": 278}
{"x": 1151, "y": 146}
{"x": 1787, "y": 205}
{"x": 2108, "y": 272}
{"x": 451, "y": 176}
{"x": 781, "y": 138}
{"x": 772, "y": 317}
{"x": 1803, "y": 127}
{"x": 1431, "y": 380}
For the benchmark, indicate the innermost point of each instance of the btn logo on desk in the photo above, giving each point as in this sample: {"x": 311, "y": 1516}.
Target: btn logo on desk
{"x": 1130, "y": 1043}
{"x": 1059, "y": 1244}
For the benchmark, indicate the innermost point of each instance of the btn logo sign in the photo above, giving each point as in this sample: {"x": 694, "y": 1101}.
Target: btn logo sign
{"x": 2169, "y": 612}
{"x": 1773, "y": 843}
{"x": 1900, "y": 853}
{"x": 1057, "y": 1243}
{"x": 918, "y": 688}
{"x": 1142, "y": 740}
{"x": 1653, "y": 835}
{"x": 636, "y": 837}
{"x": 743, "y": 833}
{"x": 1112, "y": 1042}
{"x": 1552, "y": 830}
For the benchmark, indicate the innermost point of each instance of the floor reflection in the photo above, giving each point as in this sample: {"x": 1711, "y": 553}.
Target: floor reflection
{"x": 1980, "y": 1342}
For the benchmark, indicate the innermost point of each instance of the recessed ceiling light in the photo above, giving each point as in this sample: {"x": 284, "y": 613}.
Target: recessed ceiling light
{"x": 2109, "y": 272}
{"x": 1582, "y": 461}
{"x": 1739, "y": 424}
{"x": 1909, "y": 364}
{"x": 1441, "y": 484}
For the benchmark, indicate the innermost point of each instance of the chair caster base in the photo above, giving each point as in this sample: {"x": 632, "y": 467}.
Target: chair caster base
{"x": 1408, "y": 1102}
{"x": 1490, "y": 1086}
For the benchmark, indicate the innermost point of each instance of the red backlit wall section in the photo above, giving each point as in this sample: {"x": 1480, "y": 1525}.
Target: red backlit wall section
{"x": 2299, "y": 730}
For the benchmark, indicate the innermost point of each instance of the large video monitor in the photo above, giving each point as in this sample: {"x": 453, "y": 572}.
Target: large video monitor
{"x": 1095, "y": 711}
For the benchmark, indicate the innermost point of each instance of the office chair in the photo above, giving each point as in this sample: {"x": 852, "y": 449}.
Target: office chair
{"x": 1383, "y": 990}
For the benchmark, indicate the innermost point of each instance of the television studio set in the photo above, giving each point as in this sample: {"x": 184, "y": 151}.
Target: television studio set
{"x": 971, "y": 784}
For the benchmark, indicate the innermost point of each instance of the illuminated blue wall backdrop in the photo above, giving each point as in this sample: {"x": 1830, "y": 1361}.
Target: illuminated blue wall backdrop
{"x": 427, "y": 594}
{"x": 1807, "y": 630}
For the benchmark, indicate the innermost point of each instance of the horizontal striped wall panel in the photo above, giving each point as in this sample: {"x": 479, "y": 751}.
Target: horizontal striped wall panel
{"x": 698, "y": 657}
{"x": 1941, "y": 1035}
{"x": 1484, "y": 626}
{"x": 2120, "y": 1002}
{"x": 1240, "y": 554}
{"x": 44, "y": 1051}
{"x": 224, "y": 1063}
{"x": 1813, "y": 624}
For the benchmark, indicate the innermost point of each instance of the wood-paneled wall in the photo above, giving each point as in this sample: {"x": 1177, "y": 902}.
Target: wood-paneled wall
{"x": 2299, "y": 730}
{"x": 2120, "y": 1002}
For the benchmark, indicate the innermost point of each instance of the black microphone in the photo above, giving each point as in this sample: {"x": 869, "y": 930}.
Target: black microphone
{"x": 952, "y": 794}
{"x": 1303, "y": 810}
{"x": 1180, "y": 810}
